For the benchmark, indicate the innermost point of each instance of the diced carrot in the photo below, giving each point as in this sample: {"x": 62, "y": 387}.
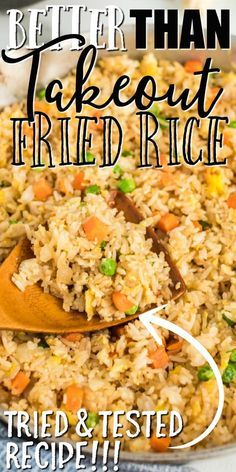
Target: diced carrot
{"x": 159, "y": 358}
{"x": 42, "y": 189}
{"x": 197, "y": 225}
{"x": 160, "y": 444}
{"x": 72, "y": 337}
{"x": 78, "y": 183}
{"x": 167, "y": 222}
{"x": 95, "y": 229}
{"x": 74, "y": 398}
{"x": 175, "y": 344}
{"x": 28, "y": 131}
{"x": 231, "y": 202}
{"x": 42, "y": 106}
{"x": 121, "y": 302}
{"x": 166, "y": 178}
{"x": 19, "y": 383}
{"x": 193, "y": 66}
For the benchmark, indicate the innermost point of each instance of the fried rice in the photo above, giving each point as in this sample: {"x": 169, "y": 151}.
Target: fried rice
{"x": 86, "y": 274}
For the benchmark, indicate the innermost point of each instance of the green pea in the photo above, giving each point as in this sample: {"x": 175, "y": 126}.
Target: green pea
{"x": 92, "y": 420}
{"x": 41, "y": 94}
{"x": 230, "y": 322}
{"x": 132, "y": 310}
{"x": 233, "y": 356}
{"x": 103, "y": 245}
{"x": 229, "y": 373}
{"x": 90, "y": 157}
{"x": 13, "y": 222}
{"x": 232, "y": 124}
{"x": 126, "y": 185}
{"x": 204, "y": 224}
{"x": 117, "y": 170}
{"x": 95, "y": 189}
{"x": 108, "y": 267}
{"x": 205, "y": 373}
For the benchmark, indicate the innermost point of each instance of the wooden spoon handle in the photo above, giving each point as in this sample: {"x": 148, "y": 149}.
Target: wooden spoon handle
{"x": 132, "y": 214}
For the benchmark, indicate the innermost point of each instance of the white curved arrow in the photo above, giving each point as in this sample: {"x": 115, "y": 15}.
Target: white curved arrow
{"x": 148, "y": 319}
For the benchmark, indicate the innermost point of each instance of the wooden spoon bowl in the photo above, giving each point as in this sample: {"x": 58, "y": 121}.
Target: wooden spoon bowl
{"x": 36, "y": 311}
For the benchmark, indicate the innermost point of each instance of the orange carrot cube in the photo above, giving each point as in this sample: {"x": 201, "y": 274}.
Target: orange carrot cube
{"x": 167, "y": 222}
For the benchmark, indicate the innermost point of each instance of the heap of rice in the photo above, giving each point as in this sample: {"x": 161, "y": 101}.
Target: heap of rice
{"x": 69, "y": 265}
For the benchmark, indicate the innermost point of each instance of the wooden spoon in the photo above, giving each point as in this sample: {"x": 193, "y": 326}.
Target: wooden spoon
{"x": 36, "y": 311}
